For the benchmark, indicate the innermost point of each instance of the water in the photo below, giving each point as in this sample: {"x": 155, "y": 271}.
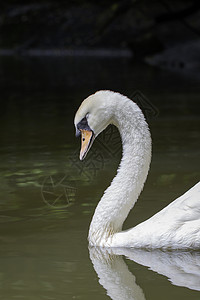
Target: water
{"x": 47, "y": 197}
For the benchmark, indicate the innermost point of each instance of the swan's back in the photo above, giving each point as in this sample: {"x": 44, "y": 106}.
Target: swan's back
{"x": 186, "y": 207}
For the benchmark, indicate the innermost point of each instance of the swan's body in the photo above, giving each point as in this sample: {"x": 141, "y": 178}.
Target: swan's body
{"x": 177, "y": 226}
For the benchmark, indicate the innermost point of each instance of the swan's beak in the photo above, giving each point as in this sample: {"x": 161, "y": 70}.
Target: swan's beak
{"x": 87, "y": 139}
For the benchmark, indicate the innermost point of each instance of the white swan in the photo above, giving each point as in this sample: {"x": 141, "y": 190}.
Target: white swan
{"x": 177, "y": 226}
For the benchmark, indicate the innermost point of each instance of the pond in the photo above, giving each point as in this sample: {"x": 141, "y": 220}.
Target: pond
{"x": 48, "y": 197}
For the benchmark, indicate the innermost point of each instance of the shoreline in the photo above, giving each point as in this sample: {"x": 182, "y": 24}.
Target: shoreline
{"x": 101, "y": 52}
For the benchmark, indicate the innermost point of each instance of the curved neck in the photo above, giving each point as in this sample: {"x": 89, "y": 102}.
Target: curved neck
{"x": 126, "y": 186}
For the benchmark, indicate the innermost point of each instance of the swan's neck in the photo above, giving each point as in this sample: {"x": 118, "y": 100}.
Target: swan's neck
{"x": 126, "y": 186}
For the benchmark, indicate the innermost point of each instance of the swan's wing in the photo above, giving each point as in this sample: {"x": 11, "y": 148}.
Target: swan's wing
{"x": 177, "y": 226}
{"x": 184, "y": 209}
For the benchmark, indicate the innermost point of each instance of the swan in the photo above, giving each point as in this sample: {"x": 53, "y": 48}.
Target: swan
{"x": 177, "y": 226}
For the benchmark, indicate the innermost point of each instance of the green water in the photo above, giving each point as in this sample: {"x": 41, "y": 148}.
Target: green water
{"x": 47, "y": 197}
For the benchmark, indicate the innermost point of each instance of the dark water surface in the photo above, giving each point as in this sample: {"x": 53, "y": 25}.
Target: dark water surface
{"x": 47, "y": 197}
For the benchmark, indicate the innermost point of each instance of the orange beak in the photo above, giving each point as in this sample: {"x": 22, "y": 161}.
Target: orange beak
{"x": 87, "y": 138}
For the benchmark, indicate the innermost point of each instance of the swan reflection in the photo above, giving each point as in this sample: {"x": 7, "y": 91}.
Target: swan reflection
{"x": 181, "y": 268}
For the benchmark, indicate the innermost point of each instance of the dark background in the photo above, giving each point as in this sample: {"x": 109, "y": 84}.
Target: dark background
{"x": 163, "y": 33}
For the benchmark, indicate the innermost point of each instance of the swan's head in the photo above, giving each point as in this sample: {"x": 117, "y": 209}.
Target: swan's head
{"x": 93, "y": 116}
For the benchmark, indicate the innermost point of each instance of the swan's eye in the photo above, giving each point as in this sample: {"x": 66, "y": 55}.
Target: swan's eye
{"x": 83, "y": 139}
